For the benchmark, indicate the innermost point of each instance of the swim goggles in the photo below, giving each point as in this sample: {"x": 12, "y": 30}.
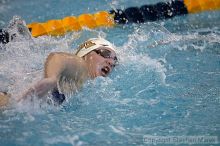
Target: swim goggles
{"x": 106, "y": 54}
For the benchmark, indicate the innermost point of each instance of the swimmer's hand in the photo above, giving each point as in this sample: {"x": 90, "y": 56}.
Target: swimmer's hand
{"x": 40, "y": 89}
{"x": 4, "y": 99}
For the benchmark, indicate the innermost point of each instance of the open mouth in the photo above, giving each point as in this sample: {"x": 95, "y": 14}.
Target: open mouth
{"x": 105, "y": 71}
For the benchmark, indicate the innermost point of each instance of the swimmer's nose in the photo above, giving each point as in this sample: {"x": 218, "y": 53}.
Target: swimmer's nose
{"x": 111, "y": 62}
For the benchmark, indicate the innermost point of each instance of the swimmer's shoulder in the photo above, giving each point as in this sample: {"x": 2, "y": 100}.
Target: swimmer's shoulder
{"x": 58, "y": 55}
{"x": 58, "y": 60}
{"x": 61, "y": 55}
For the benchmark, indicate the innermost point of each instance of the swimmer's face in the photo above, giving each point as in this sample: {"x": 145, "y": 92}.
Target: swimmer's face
{"x": 101, "y": 61}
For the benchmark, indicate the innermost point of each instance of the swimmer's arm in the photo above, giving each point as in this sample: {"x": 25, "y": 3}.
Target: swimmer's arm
{"x": 40, "y": 89}
{"x": 67, "y": 65}
{"x": 68, "y": 69}
{"x": 56, "y": 65}
{"x": 61, "y": 63}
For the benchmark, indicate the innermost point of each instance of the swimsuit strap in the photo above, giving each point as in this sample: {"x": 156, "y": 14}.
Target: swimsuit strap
{"x": 58, "y": 97}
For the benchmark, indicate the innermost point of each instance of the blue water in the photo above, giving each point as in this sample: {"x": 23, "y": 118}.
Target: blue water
{"x": 167, "y": 82}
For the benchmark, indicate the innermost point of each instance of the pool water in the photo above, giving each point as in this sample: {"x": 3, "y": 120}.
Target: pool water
{"x": 166, "y": 84}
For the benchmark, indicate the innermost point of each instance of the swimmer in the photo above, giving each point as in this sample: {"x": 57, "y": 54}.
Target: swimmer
{"x": 65, "y": 73}
{"x": 16, "y": 30}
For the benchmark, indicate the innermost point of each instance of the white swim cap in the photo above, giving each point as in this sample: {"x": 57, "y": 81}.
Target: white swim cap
{"x": 93, "y": 44}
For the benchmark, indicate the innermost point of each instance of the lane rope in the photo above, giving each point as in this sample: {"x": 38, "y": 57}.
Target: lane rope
{"x": 161, "y": 10}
